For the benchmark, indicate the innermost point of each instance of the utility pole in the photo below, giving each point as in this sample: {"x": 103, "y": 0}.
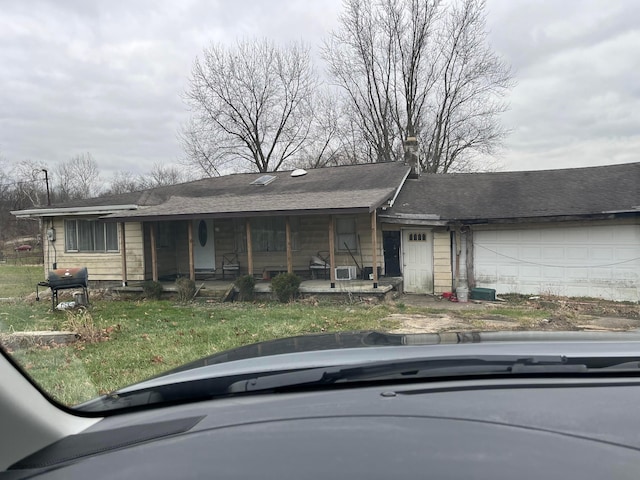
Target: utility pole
{"x": 46, "y": 179}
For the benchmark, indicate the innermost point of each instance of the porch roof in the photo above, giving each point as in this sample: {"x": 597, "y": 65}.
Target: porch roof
{"x": 296, "y": 203}
{"x": 348, "y": 189}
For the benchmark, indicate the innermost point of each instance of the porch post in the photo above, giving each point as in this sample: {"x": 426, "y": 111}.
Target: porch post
{"x": 287, "y": 224}
{"x": 374, "y": 246}
{"x": 192, "y": 263}
{"x": 332, "y": 255}
{"x": 154, "y": 253}
{"x": 249, "y": 247}
{"x": 471, "y": 278}
{"x": 123, "y": 255}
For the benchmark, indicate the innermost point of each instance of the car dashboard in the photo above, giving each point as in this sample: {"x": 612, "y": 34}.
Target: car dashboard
{"x": 559, "y": 427}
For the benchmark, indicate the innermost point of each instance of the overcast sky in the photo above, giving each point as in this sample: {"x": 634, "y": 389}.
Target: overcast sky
{"x": 106, "y": 77}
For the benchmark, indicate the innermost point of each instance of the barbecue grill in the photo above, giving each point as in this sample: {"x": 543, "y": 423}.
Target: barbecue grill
{"x": 64, "y": 279}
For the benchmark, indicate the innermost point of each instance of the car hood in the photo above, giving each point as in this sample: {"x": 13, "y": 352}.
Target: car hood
{"x": 352, "y": 348}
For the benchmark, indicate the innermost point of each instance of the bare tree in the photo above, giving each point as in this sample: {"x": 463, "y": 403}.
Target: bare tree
{"x": 471, "y": 81}
{"x": 123, "y": 182}
{"x": 325, "y": 141}
{"x": 29, "y": 184}
{"x": 201, "y": 149}
{"x": 420, "y": 68}
{"x": 161, "y": 175}
{"x": 78, "y": 178}
{"x": 252, "y": 102}
{"x": 22, "y": 186}
{"x": 361, "y": 58}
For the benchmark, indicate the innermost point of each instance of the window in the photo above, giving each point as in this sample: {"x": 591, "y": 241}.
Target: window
{"x": 90, "y": 236}
{"x": 268, "y": 234}
{"x": 264, "y": 180}
{"x": 166, "y": 234}
{"x": 346, "y": 234}
{"x": 240, "y": 235}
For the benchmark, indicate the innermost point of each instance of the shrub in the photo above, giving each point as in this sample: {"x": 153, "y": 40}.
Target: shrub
{"x": 246, "y": 286}
{"x": 285, "y": 286}
{"x": 152, "y": 290}
{"x": 186, "y": 289}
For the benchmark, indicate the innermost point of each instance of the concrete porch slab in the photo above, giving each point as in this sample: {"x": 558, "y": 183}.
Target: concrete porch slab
{"x": 310, "y": 287}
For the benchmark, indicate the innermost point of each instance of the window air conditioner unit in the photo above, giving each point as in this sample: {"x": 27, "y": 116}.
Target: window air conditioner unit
{"x": 346, "y": 273}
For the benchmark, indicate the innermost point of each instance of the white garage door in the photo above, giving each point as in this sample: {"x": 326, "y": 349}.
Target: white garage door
{"x": 585, "y": 261}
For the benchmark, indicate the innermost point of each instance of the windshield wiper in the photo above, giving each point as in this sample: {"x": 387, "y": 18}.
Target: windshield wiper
{"x": 413, "y": 369}
{"x": 410, "y": 369}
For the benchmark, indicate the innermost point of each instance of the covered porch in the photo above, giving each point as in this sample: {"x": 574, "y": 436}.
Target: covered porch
{"x": 329, "y": 250}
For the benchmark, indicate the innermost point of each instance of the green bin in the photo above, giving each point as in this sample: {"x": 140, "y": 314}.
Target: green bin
{"x": 483, "y": 294}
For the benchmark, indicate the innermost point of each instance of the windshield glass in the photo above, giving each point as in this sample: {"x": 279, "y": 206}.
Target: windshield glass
{"x": 182, "y": 181}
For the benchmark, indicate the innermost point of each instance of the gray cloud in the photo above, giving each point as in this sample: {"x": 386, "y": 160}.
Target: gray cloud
{"x": 107, "y": 77}
{"x": 577, "y": 100}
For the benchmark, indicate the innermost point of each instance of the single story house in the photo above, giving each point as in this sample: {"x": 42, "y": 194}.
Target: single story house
{"x": 569, "y": 232}
{"x": 257, "y": 224}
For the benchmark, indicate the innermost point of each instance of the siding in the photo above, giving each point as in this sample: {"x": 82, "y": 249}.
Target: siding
{"x": 442, "y": 274}
{"x": 101, "y": 265}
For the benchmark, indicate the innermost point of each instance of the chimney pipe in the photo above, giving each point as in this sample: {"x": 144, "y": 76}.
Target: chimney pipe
{"x": 411, "y": 156}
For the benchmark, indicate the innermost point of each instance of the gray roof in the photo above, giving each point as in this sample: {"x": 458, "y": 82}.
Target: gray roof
{"x": 346, "y": 188}
{"x": 513, "y": 195}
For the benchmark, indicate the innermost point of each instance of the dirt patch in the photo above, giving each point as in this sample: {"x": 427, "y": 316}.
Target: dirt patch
{"x": 431, "y": 314}
{"x": 416, "y": 323}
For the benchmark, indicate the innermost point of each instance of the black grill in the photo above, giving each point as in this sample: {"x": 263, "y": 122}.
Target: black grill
{"x": 65, "y": 278}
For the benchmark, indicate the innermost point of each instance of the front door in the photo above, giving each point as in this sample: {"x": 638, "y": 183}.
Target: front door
{"x": 204, "y": 255}
{"x": 417, "y": 260}
{"x": 391, "y": 249}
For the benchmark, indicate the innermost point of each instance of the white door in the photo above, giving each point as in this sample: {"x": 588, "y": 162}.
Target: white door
{"x": 204, "y": 254}
{"x": 417, "y": 260}
{"x": 600, "y": 261}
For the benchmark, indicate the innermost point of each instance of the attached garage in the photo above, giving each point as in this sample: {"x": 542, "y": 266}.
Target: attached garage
{"x": 568, "y": 232}
{"x": 580, "y": 260}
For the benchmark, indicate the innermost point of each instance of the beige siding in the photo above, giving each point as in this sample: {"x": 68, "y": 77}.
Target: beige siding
{"x": 442, "y": 274}
{"x": 134, "y": 250}
{"x": 100, "y": 265}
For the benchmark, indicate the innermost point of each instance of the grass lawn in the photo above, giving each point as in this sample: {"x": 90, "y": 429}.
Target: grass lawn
{"x": 18, "y": 281}
{"x": 146, "y": 338}
{"x": 140, "y": 339}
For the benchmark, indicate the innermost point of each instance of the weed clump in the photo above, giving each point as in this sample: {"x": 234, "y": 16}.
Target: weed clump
{"x": 286, "y": 287}
{"x": 186, "y": 289}
{"x": 246, "y": 287}
{"x": 152, "y": 290}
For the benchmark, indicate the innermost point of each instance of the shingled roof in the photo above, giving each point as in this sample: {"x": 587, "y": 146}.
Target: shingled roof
{"x": 334, "y": 189}
{"x": 445, "y": 198}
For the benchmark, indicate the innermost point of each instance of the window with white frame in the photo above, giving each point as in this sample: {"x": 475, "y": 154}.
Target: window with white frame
{"x": 90, "y": 236}
{"x": 268, "y": 234}
{"x": 346, "y": 234}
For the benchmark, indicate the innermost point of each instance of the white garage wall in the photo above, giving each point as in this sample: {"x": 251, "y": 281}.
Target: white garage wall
{"x": 601, "y": 261}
